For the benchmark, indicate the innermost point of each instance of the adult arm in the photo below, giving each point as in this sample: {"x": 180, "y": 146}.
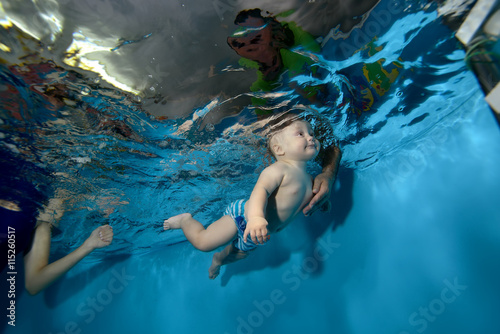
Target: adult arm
{"x": 39, "y": 273}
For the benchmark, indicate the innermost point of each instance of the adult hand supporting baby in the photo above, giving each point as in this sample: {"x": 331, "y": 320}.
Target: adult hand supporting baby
{"x": 324, "y": 181}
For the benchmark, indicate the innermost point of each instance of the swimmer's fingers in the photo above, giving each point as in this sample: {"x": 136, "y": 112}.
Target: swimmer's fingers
{"x": 256, "y": 235}
{"x": 256, "y": 229}
{"x": 100, "y": 237}
{"x": 261, "y": 236}
{"x": 321, "y": 190}
{"x": 321, "y": 205}
{"x": 106, "y": 233}
{"x": 245, "y": 234}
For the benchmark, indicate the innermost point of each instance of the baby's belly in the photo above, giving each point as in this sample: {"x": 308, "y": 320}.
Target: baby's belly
{"x": 286, "y": 206}
{"x": 279, "y": 218}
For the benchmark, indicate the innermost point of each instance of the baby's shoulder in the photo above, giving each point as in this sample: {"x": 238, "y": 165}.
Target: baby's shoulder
{"x": 278, "y": 167}
{"x": 289, "y": 174}
{"x": 273, "y": 172}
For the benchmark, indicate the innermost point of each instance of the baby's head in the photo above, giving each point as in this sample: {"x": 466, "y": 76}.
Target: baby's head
{"x": 290, "y": 135}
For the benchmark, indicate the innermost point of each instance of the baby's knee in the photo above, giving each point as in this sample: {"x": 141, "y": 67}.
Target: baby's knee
{"x": 204, "y": 246}
{"x": 239, "y": 254}
{"x": 205, "y": 243}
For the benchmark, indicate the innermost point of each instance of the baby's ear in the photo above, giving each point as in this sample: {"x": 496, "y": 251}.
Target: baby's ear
{"x": 278, "y": 149}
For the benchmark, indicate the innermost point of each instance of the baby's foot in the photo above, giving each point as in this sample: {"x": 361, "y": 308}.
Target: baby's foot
{"x": 214, "y": 269}
{"x": 175, "y": 222}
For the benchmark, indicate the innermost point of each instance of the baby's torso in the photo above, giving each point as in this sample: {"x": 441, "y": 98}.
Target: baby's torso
{"x": 293, "y": 194}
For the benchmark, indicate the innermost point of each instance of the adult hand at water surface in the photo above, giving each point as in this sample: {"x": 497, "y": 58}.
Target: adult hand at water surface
{"x": 100, "y": 237}
{"x": 40, "y": 273}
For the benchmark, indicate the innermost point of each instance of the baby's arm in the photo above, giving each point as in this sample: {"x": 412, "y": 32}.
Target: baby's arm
{"x": 269, "y": 180}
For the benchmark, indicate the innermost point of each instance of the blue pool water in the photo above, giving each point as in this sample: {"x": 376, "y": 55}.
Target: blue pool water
{"x": 132, "y": 118}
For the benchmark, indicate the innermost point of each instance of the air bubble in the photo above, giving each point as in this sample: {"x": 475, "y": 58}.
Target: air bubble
{"x": 94, "y": 80}
{"x": 85, "y": 91}
{"x": 399, "y": 93}
{"x": 401, "y": 108}
{"x": 210, "y": 127}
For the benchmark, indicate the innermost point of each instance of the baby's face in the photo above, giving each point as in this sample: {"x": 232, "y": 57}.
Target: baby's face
{"x": 298, "y": 141}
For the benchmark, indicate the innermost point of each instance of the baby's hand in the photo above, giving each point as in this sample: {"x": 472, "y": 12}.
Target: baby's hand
{"x": 257, "y": 229}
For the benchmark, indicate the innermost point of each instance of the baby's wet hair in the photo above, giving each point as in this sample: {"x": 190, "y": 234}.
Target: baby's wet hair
{"x": 278, "y": 123}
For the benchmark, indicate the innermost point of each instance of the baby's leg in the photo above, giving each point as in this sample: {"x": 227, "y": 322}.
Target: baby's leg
{"x": 228, "y": 255}
{"x": 215, "y": 235}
